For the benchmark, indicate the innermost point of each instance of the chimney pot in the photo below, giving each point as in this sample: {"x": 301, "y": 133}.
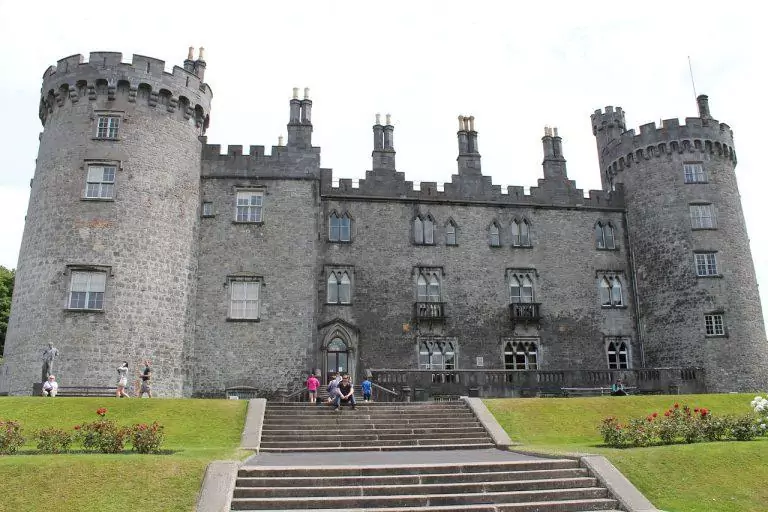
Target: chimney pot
{"x": 306, "y": 93}
{"x": 378, "y": 118}
{"x": 389, "y": 119}
{"x": 191, "y": 54}
{"x": 201, "y": 54}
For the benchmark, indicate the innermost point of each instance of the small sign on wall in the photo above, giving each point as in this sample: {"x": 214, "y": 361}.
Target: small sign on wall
{"x": 479, "y": 362}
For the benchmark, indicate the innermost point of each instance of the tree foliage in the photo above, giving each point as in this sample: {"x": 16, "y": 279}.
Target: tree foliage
{"x": 6, "y": 291}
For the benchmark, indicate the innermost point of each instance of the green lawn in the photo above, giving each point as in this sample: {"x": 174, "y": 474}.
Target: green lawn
{"x": 706, "y": 477}
{"x": 197, "y": 432}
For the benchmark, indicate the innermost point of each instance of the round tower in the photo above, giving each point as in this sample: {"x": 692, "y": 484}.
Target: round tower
{"x": 697, "y": 290}
{"x": 107, "y": 266}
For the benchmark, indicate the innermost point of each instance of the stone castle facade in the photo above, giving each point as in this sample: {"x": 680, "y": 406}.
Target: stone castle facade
{"x": 249, "y": 269}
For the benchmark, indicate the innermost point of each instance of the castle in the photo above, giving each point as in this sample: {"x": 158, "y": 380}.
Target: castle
{"x": 250, "y": 269}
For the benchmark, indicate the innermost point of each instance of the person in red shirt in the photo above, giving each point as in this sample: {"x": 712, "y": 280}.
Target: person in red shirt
{"x": 312, "y": 385}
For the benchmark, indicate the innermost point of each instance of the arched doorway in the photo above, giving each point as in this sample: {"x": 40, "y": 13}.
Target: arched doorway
{"x": 336, "y": 358}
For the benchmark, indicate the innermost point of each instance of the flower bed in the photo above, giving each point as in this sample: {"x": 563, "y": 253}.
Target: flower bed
{"x": 682, "y": 425}
{"x": 102, "y": 436}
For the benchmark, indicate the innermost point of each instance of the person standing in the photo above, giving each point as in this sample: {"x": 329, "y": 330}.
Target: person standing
{"x": 50, "y": 386}
{"x": 146, "y": 377}
{"x": 312, "y": 385}
{"x": 122, "y": 380}
{"x": 366, "y": 388}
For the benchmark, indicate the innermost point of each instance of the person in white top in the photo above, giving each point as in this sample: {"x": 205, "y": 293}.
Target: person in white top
{"x": 50, "y": 386}
{"x": 122, "y": 382}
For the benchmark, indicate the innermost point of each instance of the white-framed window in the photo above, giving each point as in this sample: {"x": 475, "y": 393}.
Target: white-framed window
{"x": 617, "y": 350}
{"x": 521, "y": 233}
{"x": 428, "y": 287}
{"x": 339, "y": 228}
{"x": 694, "y": 173}
{"x": 207, "y": 210}
{"x": 424, "y": 230}
{"x": 706, "y": 264}
{"x": 604, "y": 235}
{"x": 100, "y": 182}
{"x": 86, "y": 289}
{"x": 244, "y": 296}
{"x": 494, "y": 235}
{"x": 437, "y": 355}
{"x": 520, "y": 288}
{"x": 249, "y": 206}
{"x": 702, "y": 216}
{"x": 107, "y": 127}
{"x": 714, "y": 324}
{"x": 611, "y": 293}
{"x": 522, "y": 354}
{"x": 450, "y": 234}
{"x": 339, "y": 287}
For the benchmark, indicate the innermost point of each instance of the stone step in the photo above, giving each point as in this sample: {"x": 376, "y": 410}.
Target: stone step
{"x": 356, "y": 442}
{"x": 417, "y": 469}
{"x": 329, "y": 410}
{"x": 415, "y": 429}
{"x": 330, "y": 438}
{"x": 307, "y": 407}
{"x": 380, "y": 447}
{"x": 351, "y": 419}
{"x": 344, "y": 490}
{"x": 339, "y": 435}
{"x": 336, "y": 481}
{"x": 405, "y": 500}
{"x": 603, "y": 504}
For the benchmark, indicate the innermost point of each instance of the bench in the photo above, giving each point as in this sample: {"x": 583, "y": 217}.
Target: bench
{"x": 598, "y": 391}
{"x": 97, "y": 391}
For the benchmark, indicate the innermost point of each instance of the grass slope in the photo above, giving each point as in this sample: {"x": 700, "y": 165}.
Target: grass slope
{"x": 705, "y": 477}
{"x": 197, "y": 432}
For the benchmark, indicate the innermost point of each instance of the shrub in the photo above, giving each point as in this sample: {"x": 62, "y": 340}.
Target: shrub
{"x": 10, "y": 436}
{"x": 614, "y": 434}
{"x": 743, "y": 428}
{"x": 53, "y": 440}
{"x": 147, "y": 438}
{"x": 103, "y": 435}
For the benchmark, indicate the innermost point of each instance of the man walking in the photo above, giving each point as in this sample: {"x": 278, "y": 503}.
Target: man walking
{"x": 146, "y": 377}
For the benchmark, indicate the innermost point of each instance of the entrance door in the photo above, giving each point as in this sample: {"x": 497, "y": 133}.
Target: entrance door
{"x": 336, "y": 358}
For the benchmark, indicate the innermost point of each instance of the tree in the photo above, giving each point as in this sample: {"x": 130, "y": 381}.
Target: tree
{"x": 6, "y": 291}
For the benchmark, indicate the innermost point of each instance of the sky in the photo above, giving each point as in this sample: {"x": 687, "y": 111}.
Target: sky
{"x": 514, "y": 66}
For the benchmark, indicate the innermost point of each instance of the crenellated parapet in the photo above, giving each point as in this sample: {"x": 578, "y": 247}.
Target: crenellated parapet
{"x": 106, "y": 77}
{"x": 379, "y": 185}
{"x": 696, "y": 135}
{"x": 284, "y": 162}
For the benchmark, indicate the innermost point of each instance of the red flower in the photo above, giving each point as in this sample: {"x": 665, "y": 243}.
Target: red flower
{"x": 77, "y": 427}
{"x": 102, "y": 411}
{"x": 649, "y": 418}
{"x": 704, "y": 412}
{"x": 666, "y": 413}
{"x": 696, "y": 410}
{"x": 677, "y": 405}
{"x": 655, "y": 414}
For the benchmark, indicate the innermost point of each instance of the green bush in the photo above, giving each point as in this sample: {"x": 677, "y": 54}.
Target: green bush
{"x": 10, "y": 436}
{"x": 147, "y": 438}
{"x": 53, "y": 440}
{"x": 103, "y": 436}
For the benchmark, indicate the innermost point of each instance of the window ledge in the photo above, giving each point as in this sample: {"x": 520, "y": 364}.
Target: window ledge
{"x": 423, "y": 244}
{"x": 338, "y": 303}
{"x": 451, "y": 245}
{"x": 495, "y": 246}
{"x": 340, "y": 242}
{"x": 716, "y": 335}
{"x": 106, "y": 138}
{"x": 613, "y": 307}
{"x": 704, "y": 229}
{"x": 257, "y": 222}
{"x": 696, "y": 182}
{"x": 207, "y": 216}
{"x": 243, "y": 319}
{"x": 716, "y": 276}
{"x": 83, "y": 310}
{"x": 99, "y": 199}
{"x": 607, "y": 248}
{"x": 530, "y": 246}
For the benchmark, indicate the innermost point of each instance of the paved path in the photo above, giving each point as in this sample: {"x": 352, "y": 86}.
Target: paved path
{"x": 385, "y": 458}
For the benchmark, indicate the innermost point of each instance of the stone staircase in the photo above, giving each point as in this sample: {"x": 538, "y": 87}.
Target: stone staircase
{"x": 297, "y": 427}
{"x": 546, "y": 485}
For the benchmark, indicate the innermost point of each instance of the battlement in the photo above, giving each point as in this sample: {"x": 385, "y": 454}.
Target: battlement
{"x": 106, "y": 74}
{"x": 609, "y": 119}
{"x": 381, "y": 184}
{"x": 283, "y": 162}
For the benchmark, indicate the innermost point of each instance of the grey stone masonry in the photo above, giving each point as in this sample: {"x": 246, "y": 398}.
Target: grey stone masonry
{"x": 248, "y": 269}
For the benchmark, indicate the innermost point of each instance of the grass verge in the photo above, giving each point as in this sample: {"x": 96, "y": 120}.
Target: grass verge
{"x": 702, "y": 477}
{"x": 197, "y": 432}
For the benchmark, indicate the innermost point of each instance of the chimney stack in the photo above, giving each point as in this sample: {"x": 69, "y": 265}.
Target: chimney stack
{"x": 469, "y": 157}
{"x": 554, "y": 162}
{"x": 383, "y": 155}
